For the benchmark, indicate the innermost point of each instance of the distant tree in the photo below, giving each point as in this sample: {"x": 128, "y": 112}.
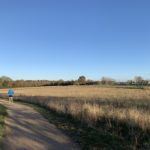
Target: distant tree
{"x": 76, "y": 82}
{"x": 108, "y": 81}
{"x": 139, "y": 81}
{"x": 1, "y": 83}
{"x": 5, "y": 78}
{"x": 92, "y": 82}
{"x": 146, "y": 82}
{"x": 60, "y": 82}
{"x": 103, "y": 80}
{"x": 5, "y": 84}
{"x": 130, "y": 82}
{"x": 82, "y": 80}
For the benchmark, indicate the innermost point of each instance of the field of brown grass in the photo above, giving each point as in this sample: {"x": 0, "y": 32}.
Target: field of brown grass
{"x": 130, "y": 104}
{"x": 122, "y": 111}
{"x": 85, "y": 91}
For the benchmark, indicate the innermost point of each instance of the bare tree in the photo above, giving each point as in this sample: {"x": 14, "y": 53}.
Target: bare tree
{"x": 82, "y": 80}
{"x": 139, "y": 81}
{"x": 106, "y": 80}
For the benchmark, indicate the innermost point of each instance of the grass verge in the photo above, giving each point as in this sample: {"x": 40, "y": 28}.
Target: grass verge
{"x": 3, "y": 114}
{"x": 88, "y": 137}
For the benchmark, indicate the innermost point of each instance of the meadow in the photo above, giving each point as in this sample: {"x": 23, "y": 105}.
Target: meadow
{"x": 120, "y": 114}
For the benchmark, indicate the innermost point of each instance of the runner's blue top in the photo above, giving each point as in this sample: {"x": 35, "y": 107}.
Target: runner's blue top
{"x": 11, "y": 92}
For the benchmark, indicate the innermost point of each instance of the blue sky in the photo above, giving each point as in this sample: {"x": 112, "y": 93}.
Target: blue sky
{"x": 62, "y": 39}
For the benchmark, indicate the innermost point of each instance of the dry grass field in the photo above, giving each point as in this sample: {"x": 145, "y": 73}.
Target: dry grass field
{"x": 85, "y": 91}
{"x": 121, "y": 112}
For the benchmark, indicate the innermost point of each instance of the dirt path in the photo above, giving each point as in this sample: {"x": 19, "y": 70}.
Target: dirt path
{"x": 26, "y": 129}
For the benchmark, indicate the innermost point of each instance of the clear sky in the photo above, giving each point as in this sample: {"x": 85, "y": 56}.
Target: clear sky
{"x": 62, "y": 39}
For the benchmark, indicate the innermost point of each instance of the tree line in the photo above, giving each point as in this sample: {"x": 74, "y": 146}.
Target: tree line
{"x": 7, "y": 82}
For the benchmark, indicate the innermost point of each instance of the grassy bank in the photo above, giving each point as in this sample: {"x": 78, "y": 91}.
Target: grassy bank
{"x": 107, "y": 134}
{"x": 3, "y": 114}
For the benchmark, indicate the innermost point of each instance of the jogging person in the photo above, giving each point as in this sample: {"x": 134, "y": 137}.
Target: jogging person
{"x": 11, "y": 95}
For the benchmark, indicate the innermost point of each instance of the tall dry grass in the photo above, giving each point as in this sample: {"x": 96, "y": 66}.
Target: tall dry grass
{"x": 113, "y": 107}
{"x": 89, "y": 103}
{"x": 85, "y": 91}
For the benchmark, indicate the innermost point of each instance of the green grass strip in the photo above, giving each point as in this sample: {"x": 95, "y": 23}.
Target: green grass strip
{"x": 3, "y": 114}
